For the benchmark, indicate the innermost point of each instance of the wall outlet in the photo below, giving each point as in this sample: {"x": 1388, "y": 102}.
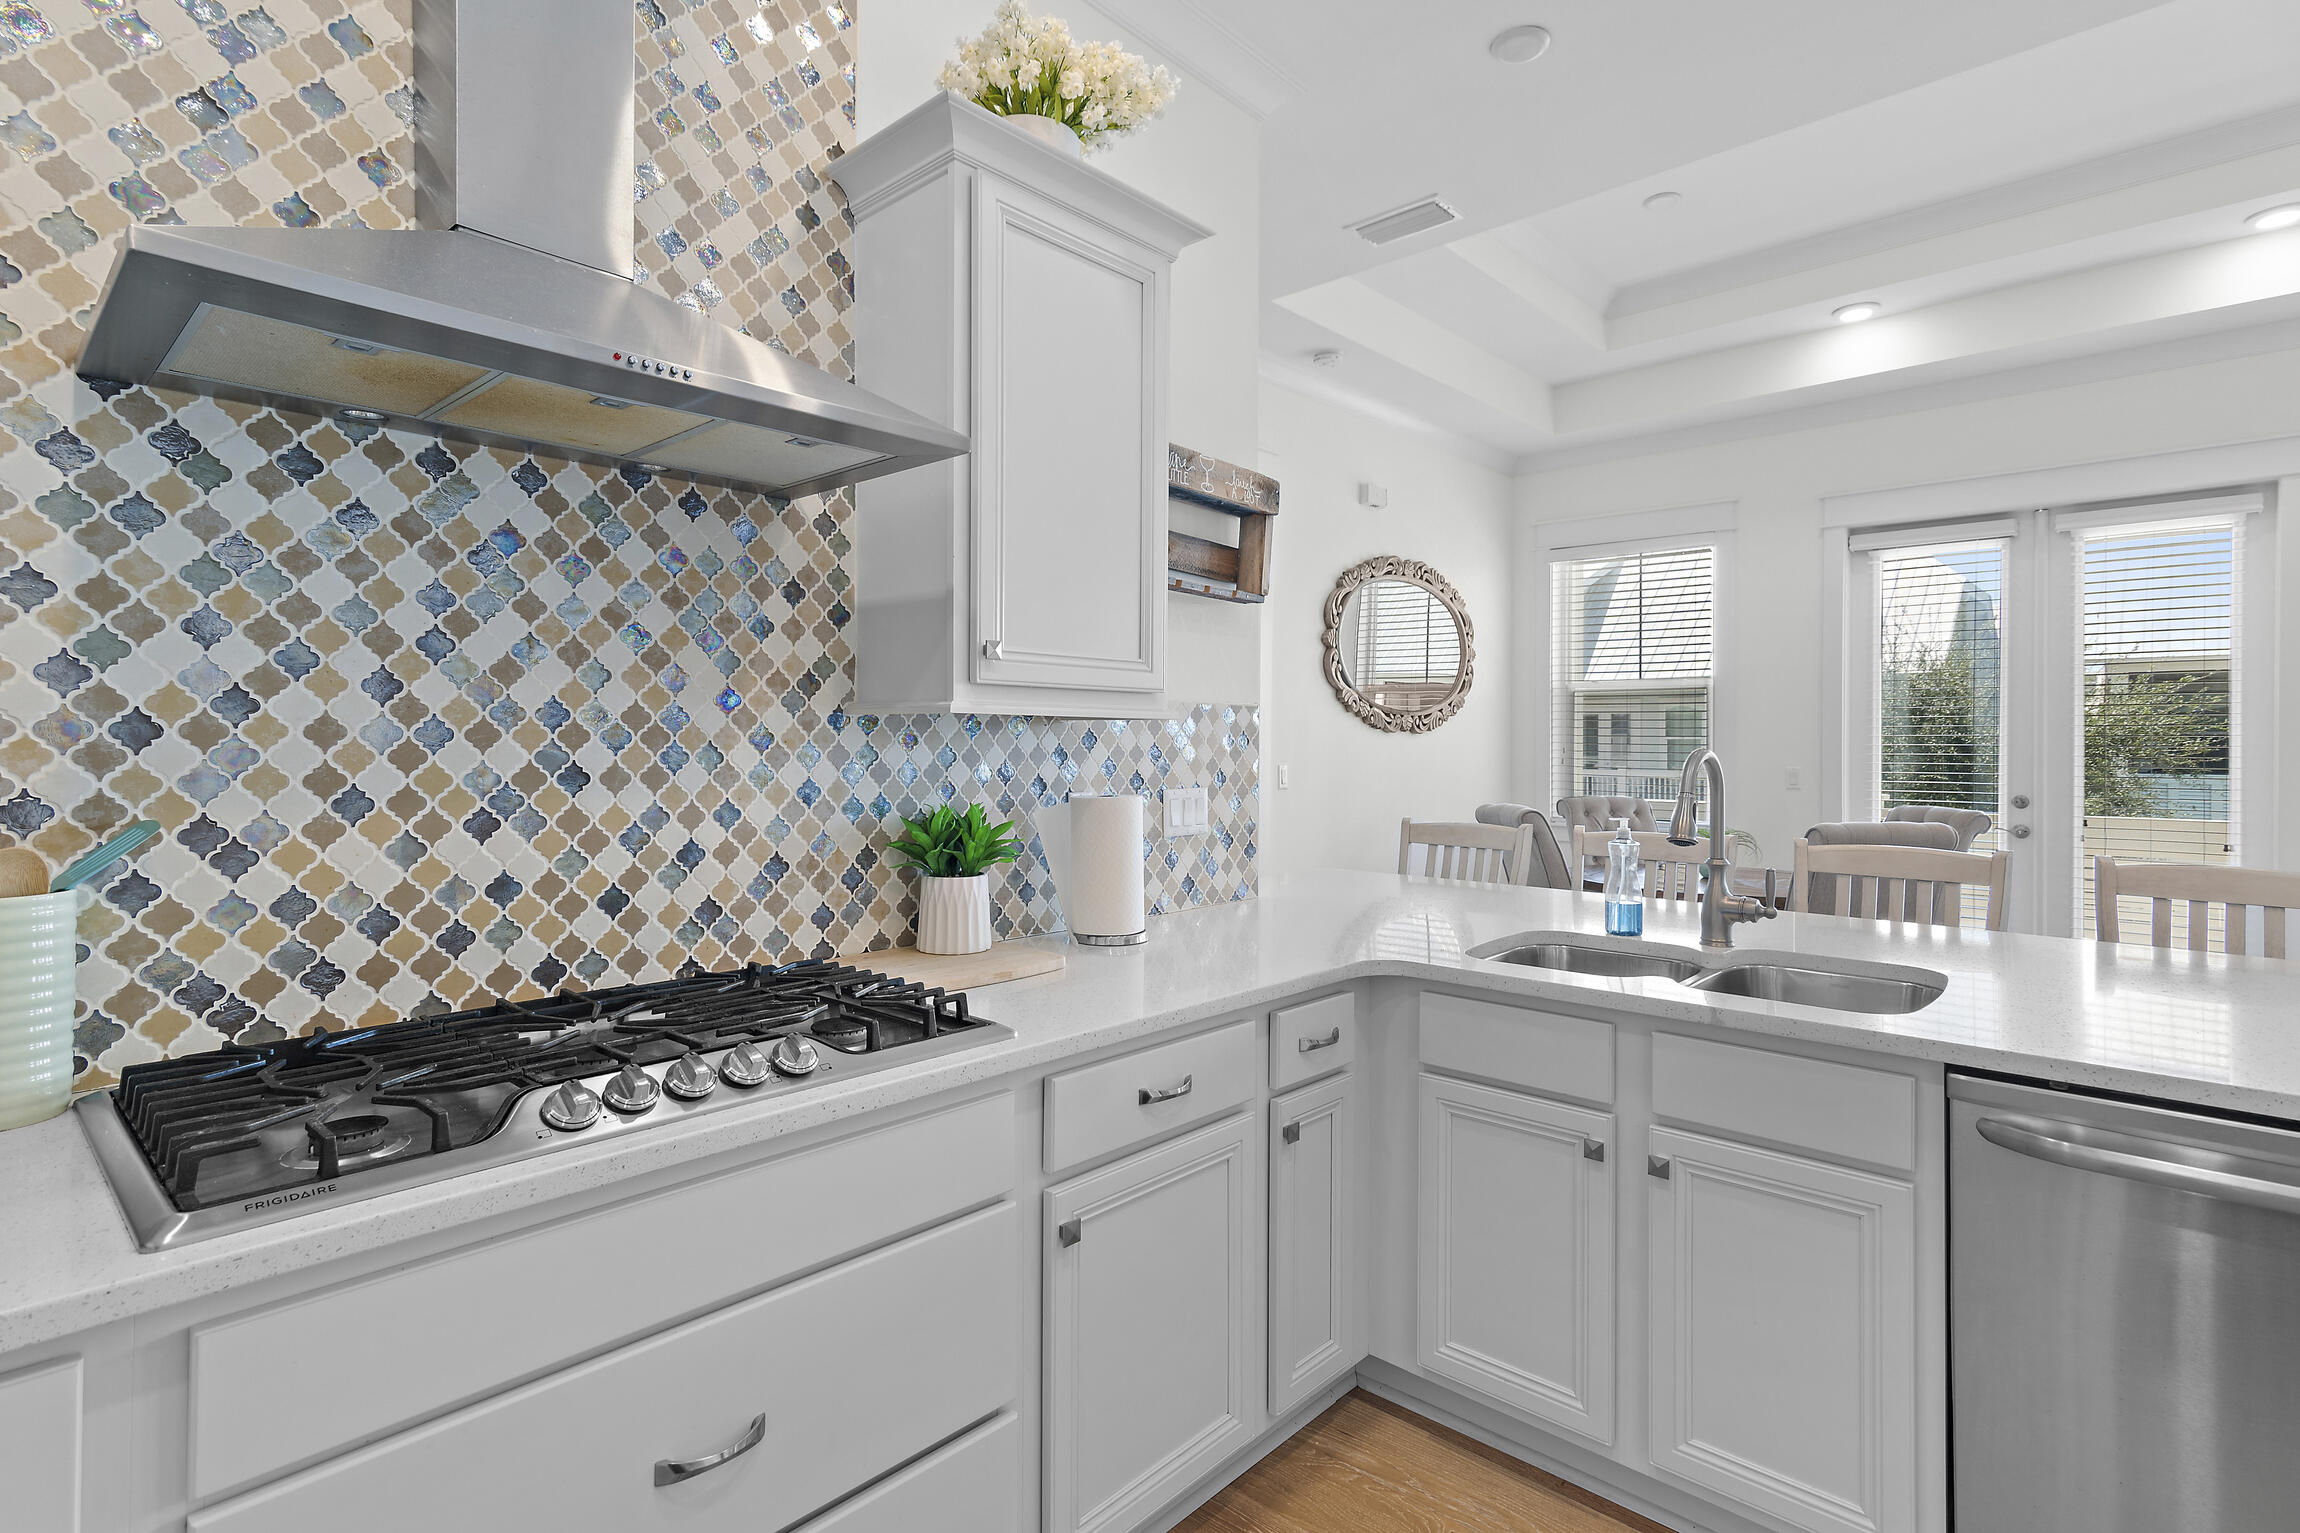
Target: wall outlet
{"x": 1285, "y": 775}
{"x": 1186, "y": 812}
{"x": 1792, "y": 779}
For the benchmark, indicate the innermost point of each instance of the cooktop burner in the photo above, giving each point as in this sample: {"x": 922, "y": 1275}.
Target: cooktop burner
{"x": 210, "y": 1142}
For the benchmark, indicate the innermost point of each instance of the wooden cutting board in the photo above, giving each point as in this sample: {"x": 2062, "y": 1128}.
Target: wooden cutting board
{"x": 967, "y": 971}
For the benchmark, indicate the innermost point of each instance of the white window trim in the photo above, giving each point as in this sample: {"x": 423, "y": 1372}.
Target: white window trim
{"x": 1643, "y": 532}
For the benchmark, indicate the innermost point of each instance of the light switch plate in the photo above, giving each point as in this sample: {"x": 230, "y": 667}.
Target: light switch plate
{"x": 1186, "y": 812}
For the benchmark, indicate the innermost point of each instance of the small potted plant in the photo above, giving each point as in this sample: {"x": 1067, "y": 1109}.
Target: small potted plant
{"x": 953, "y": 853}
{"x": 1074, "y": 96}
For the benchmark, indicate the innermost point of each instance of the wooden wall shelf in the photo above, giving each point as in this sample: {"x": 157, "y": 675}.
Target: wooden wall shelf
{"x": 1201, "y": 566}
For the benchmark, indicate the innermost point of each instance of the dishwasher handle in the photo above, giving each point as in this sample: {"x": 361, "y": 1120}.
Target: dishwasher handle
{"x": 2131, "y": 1157}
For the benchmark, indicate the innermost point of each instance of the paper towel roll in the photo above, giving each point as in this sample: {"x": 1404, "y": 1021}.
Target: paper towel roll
{"x": 1103, "y": 892}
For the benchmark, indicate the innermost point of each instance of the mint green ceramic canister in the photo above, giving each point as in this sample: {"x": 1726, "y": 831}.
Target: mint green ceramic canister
{"x": 36, "y": 952}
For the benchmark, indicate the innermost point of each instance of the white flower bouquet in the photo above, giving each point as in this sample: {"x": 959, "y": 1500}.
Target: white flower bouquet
{"x": 1025, "y": 65}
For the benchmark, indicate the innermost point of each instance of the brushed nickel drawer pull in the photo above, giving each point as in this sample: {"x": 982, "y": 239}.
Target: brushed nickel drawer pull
{"x": 670, "y": 1471}
{"x": 1070, "y": 1232}
{"x": 1312, "y": 1045}
{"x": 1291, "y": 1133}
{"x": 1165, "y": 1093}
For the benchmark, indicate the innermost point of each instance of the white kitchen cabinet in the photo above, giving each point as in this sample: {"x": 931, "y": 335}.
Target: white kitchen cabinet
{"x": 1313, "y": 1241}
{"x": 1149, "y": 1366}
{"x": 1516, "y": 1255}
{"x": 40, "y": 1447}
{"x": 1020, "y": 296}
{"x": 1782, "y": 1348}
{"x": 805, "y": 1395}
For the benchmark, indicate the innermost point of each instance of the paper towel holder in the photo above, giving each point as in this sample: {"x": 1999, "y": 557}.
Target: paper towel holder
{"x": 1055, "y": 837}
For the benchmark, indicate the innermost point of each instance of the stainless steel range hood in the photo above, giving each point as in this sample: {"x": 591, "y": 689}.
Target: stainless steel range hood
{"x": 512, "y": 318}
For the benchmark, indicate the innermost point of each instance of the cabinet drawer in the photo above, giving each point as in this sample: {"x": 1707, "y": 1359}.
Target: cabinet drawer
{"x": 1313, "y": 1039}
{"x": 971, "y": 1486}
{"x": 1125, "y": 1101}
{"x": 466, "y": 1325}
{"x": 1842, "y": 1111}
{"x": 854, "y": 1371}
{"x": 1557, "y": 1056}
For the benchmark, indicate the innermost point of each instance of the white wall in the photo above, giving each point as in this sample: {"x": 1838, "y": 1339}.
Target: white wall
{"x": 1351, "y": 784}
{"x": 1776, "y": 654}
{"x": 1202, "y": 158}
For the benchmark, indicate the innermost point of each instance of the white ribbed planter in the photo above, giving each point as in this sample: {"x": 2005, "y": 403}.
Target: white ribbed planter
{"x": 954, "y": 914}
{"x": 36, "y": 980}
{"x": 1055, "y": 135}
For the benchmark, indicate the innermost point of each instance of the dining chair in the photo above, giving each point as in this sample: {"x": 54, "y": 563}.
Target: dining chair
{"x": 1465, "y": 852}
{"x": 1673, "y": 871}
{"x": 1547, "y": 868}
{"x": 1969, "y": 824}
{"x": 2200, "y": 886}
{"x": 1924, "y": 884}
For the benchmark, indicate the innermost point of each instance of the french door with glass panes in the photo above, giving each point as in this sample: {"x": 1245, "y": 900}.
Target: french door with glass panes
{"x": 2076, "y": 675}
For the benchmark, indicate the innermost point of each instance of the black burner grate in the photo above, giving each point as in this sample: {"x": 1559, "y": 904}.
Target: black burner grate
{"x": 242, "y": 1122}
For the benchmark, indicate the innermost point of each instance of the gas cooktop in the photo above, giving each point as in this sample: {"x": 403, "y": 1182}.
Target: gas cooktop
{"x": 242, "y": 1136}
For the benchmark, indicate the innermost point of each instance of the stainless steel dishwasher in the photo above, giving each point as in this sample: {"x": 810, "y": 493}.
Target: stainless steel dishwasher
{"x": 2124, "y": 1311}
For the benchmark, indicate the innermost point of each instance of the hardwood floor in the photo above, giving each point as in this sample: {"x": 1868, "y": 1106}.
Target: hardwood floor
{"x": 1367, "y": 1466}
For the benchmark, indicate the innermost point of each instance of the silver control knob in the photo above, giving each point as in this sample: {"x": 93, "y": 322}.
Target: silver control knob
{"x": 573, "y": 1106}
{"x": 745, "y": 1065}
{"x": 632, "y": 1090}
{"x": 795, "y": 1056}
{"x": 689, "y": 1079}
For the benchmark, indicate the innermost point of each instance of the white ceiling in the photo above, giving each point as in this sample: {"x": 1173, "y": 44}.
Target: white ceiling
{"x": 2020, "y": 185}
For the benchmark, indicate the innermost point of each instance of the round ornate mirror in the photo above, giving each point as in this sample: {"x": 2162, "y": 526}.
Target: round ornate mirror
{"x": 1399, "y": 652}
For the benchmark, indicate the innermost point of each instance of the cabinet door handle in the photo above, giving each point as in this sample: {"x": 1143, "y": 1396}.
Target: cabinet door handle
{"x": 1312, "y": 1045}
{"x": 1657, "y": 1165}
{"x": 1070, "y": 1232}
{"x": 1165, "y": 1093}
{"x": 670, "y": 1471}
{"x": 1291, "y": 1133}
{"x": 1593, "y": 1149}
{"x": 994, "y": 649}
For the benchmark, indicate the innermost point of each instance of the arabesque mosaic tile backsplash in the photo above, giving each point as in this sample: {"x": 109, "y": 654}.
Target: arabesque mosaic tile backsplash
{"x": 426, "y": 722}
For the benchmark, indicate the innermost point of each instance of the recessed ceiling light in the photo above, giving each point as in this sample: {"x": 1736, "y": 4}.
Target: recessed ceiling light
{"x": 1519, "y": 45}
{"x": 1660, "y": 200}
{"x": 1854, "y": 313}
{"x": 1326, "y": 357}
{"x": 2280, "y": 217}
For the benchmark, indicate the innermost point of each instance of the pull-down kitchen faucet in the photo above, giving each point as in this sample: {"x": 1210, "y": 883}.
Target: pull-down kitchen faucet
{"x": 1720, "y": 907}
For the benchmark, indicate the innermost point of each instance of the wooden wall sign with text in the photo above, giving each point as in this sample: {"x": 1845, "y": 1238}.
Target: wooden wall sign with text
{"x": 1201, "y": 566}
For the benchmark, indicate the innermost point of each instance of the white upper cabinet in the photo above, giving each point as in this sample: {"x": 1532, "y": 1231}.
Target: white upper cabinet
{"x": 1020, "y": 296}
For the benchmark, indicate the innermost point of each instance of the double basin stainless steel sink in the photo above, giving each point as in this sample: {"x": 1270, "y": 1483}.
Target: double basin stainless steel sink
{"x": 1832, "y": 984}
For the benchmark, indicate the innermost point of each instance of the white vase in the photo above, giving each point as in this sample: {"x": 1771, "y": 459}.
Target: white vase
{"x": 1055, "y": 135}
{"x": 954, "y": 914}
{"x": 36, "y": 984}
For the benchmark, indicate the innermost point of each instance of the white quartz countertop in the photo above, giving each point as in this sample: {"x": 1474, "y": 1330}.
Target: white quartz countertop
{"x": 2188, "y": 1028}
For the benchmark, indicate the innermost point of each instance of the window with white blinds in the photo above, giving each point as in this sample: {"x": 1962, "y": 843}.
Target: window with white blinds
{"x": 2157, "y": 715}
{"x": 1633, "y": 652}
{"x": 1939, "y": 676}
{"x": 1409, "y": 647}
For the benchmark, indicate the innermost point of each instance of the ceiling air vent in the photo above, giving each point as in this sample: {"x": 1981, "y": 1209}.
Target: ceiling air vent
{"x": 1413, "y": 218}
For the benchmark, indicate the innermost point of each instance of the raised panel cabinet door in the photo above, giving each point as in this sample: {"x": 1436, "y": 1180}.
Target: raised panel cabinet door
{"x": 1148, "y": 1375}
{"x": 1313, "y": 1241}
{"x": 40, "y": 1447}
{"x": 1782, "y": 1358}
{"x": 1515, "y": 1296}
{"x": 1069, "y": 449}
